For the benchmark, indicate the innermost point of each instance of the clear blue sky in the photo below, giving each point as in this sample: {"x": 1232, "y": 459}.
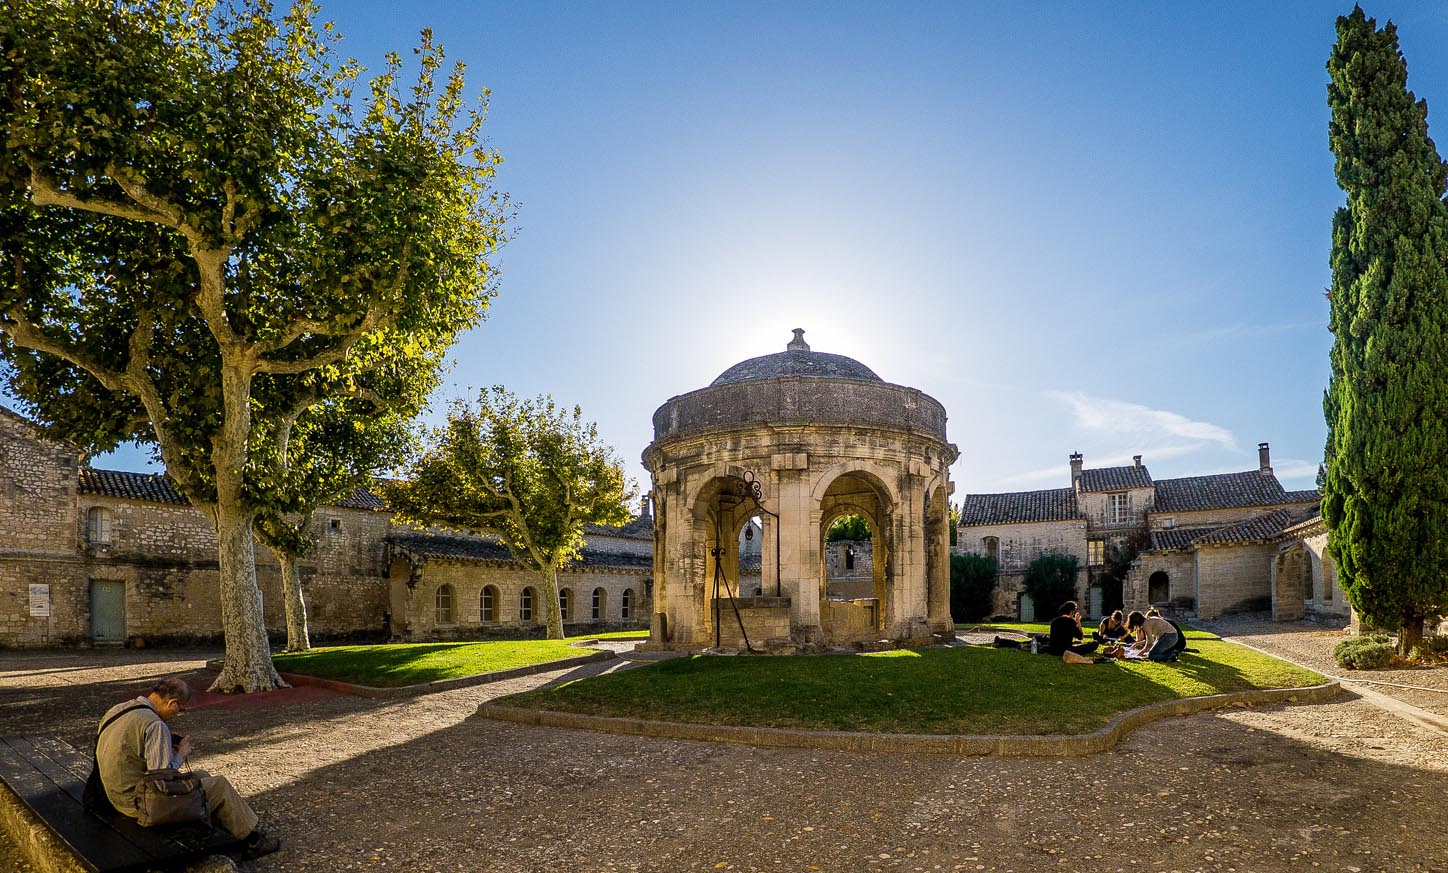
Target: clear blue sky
{"x": 1082, "y": 227}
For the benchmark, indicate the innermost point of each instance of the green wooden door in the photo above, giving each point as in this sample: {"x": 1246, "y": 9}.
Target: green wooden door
{"x": 108, "y": 611}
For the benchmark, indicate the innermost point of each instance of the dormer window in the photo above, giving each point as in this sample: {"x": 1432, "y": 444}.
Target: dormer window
{"x": 1117, "y": 508}
{"x": 98, "y": 526}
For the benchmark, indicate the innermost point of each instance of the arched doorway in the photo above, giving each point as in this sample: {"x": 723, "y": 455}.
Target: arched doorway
{"x": 725, "y": 515}
{"x": 854, "y": 603}
{"x": 1158, "y": 588}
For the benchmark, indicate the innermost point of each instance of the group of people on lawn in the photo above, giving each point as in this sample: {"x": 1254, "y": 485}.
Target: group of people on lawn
{"x": 1145, "y": 636}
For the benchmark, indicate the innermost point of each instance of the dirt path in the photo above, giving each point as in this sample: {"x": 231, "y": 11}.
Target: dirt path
{"x": 354, "y": 784}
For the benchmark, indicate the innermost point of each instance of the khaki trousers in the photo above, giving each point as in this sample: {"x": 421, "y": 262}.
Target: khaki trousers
{"x": 228, "y": 809}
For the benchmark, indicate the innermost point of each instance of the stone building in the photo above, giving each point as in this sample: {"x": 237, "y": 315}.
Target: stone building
{"x": 107, "y": 556}
{"x": 798, "y": 439}
{"x": 1207, "y": 544}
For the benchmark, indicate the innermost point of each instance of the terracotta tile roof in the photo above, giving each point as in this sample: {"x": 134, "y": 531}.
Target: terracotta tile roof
{"x": 457, "y": 547}
{"x": 363, "y": 498}
{"x": 1222, "y": 491}
{"x": 1263, "y": 527}
{"x": 157, "y": 488}
{"x": 1115, "y": 478}
{"x": 1016, "y": 507}
{"x": 640, "y": 528}
{"x": 750, "y": 565}
{"x": 1311, "y": 495}
{"x": 151, "y": 487}
{"x": 1175, "y": 539}
{"x": 466, "y": 547}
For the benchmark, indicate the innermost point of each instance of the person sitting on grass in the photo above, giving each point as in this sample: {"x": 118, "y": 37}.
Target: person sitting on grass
{"x": 1065, "y": 630}
{"x": 1113, "y": 629}
{"x": 1160, "y": 638}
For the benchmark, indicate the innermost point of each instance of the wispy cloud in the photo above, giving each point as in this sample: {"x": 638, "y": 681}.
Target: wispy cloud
{"x": 1059, "y": 473}
{"x": 1141, "y": 425}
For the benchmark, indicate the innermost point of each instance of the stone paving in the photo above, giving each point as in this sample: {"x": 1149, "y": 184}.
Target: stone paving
{"x": 356, "y": 784}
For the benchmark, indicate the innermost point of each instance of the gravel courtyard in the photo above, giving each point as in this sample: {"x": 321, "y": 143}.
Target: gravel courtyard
{"x": 355, "y": 784}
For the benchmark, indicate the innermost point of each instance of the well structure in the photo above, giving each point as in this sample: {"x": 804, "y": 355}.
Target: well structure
{"x": 795, "y": 440}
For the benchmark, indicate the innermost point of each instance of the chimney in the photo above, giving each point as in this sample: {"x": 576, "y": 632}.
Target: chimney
{"x": 1264, "y": 459}
{"x": 1136, "y": 461}
{"x": 644, "y": 506}
{"x": 1076, "y": 470}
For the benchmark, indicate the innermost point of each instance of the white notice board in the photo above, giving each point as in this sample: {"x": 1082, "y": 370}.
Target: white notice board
{"x": 40, "y": 601}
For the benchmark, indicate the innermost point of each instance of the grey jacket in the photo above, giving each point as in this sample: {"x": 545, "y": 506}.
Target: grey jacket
{"x": 136, "y": 742}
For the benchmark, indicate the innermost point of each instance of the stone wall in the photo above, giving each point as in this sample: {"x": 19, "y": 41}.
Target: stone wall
{"x": 1234, "y": 577}
{"x": 468, "y": 579}
{"x": 1019, "y": 544}
{"x": 1180, "y": 568}
{"x": 1093, "y": 505}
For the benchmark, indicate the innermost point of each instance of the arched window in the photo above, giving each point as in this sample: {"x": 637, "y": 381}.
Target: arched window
{"x": 992, "y": 546}
{"x": 444, "y": 604}
{"x": 98, "y": 526}
{"x": 488, "y": 604}
{"x": 1158, "y": 587}
{"x": 625, "y": 608}
{"x": 565, "y": 604}
{"x": 525, "y": 605}
{"x": 600, "y": 603}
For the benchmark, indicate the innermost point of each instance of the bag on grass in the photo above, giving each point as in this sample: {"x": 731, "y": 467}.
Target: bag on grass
{"x": 168, "y": 796}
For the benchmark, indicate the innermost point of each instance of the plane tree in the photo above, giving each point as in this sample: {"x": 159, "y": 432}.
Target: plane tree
{"x": 203, "y": 236}
{"x": 529, "y": 472}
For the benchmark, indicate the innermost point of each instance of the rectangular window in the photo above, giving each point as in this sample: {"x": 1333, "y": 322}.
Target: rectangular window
{"x": 1168, "y": 523}
{"x": 1116, "y": 508}
{"x": 1095, "y": 553}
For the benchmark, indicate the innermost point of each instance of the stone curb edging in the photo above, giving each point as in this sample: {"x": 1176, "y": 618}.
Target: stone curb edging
{"x": 401, "y": 691}
{"x": 957, "y": 744}
{"x": 37, "y": 843}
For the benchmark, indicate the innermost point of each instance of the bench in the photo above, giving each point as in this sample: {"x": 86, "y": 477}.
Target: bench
{"x": 43, "y": 782}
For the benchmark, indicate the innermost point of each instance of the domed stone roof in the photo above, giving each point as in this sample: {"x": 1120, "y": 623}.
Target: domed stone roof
{"x": 796, "y": 360}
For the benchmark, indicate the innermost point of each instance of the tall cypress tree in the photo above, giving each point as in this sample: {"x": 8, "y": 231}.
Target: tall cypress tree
{"x": 1385, "y": 501}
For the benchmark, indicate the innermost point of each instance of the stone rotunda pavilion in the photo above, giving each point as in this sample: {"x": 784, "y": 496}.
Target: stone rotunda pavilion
{"x": 796, "y": 440}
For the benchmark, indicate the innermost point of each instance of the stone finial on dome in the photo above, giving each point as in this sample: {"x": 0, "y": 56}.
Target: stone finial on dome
{"x": 798, "y": 344}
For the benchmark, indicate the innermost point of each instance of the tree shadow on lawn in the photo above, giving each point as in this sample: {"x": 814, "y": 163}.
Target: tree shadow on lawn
{"x": 497, "y": 796}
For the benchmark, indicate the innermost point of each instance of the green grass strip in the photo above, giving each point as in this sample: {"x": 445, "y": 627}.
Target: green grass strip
{"x": 391, "y": 665}
{"x": 963, "y": 690}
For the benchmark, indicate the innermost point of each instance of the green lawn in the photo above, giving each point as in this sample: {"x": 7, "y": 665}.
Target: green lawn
{"x": 614, "y": 635}
{"x": 413, "y": 663}
{"x": 963, "y": 690}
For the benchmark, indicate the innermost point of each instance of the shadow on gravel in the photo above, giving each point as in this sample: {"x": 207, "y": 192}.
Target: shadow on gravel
{"x": 485, "y": 795}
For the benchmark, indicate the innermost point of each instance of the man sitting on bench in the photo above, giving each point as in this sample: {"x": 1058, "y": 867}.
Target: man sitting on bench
{"x": 135, "y": 736}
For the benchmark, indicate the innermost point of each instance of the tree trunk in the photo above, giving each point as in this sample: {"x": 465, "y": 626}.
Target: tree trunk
{"x": 247, "y": 665}
{"x": 297, "y": 638}
{"x": 550, "y": 599}
{"x": 1410, "y": 635}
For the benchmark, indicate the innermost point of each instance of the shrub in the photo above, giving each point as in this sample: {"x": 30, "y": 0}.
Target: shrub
{"x": 1368, "y": 652}
{"x": 972, "y": 584}
{"x": 849, "y": 527}
{"x": 1431, "y": 650}
{"x": 1051, "y": 581}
